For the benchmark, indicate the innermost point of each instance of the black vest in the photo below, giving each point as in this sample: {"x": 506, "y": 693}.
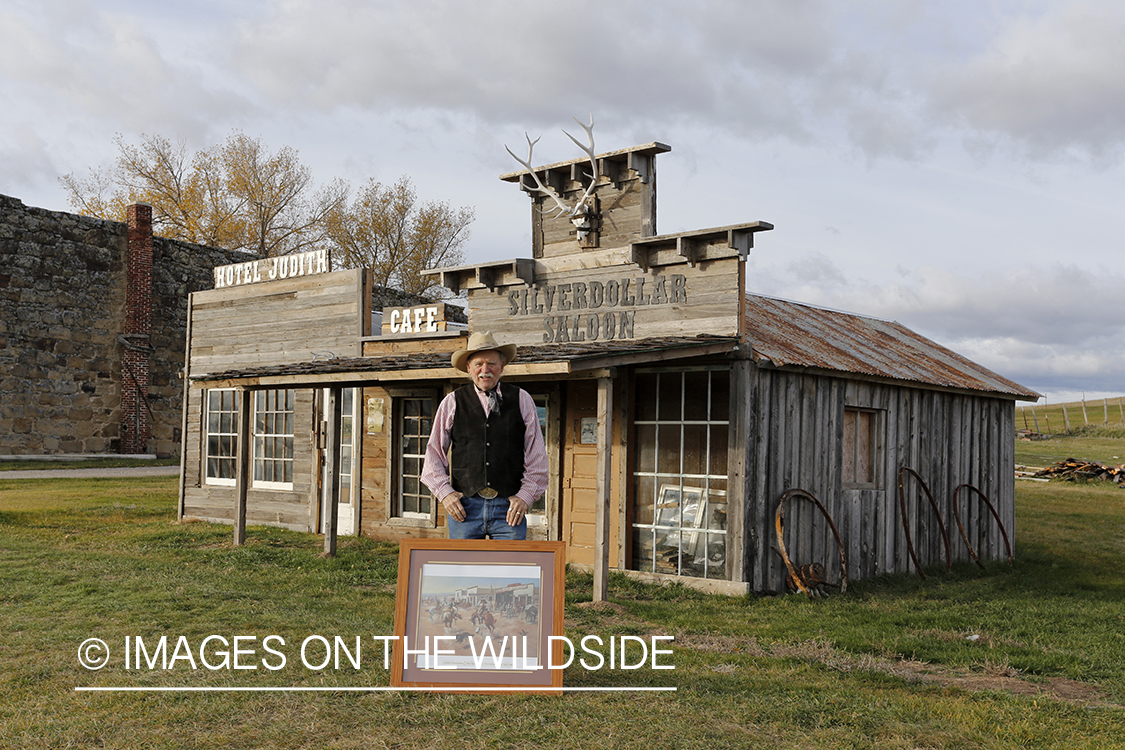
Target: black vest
{"x": 486, "y": 452}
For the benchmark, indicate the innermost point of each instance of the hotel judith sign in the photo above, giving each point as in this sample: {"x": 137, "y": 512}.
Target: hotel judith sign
{"x": 271, "y": 269}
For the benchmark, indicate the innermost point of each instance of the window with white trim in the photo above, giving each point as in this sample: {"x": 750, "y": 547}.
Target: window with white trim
{"x": 414, "y": 419}
{"x": 273, "y": 439}
{"x": 220, "y": 444}
{"x": 681, "y": 429}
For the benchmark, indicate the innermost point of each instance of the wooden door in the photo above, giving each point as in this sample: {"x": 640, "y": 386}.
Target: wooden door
{"x": 579, "y": 485}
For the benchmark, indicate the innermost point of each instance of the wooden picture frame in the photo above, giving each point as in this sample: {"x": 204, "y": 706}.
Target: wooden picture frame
{"x": 493, "y": 603}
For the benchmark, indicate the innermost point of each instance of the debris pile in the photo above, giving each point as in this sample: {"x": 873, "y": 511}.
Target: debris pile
{"x": 1074, "y": 469}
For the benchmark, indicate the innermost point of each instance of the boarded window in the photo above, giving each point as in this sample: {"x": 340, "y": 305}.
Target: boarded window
{"x": 681, "y": 430}
{"x": 861, "y": 448}
{"x": 273, "y": 439}
{"x": 221, "y": 438}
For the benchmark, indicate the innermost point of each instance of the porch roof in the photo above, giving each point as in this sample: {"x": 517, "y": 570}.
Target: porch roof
{"x": 558, "y": 360}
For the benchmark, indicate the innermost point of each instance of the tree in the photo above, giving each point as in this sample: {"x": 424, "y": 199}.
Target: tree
{"x": 387, "y": 229}
{"x": 237, "y": 195}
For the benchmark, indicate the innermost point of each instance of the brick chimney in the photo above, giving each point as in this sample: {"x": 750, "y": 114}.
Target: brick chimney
{"x": 135, "y": 342}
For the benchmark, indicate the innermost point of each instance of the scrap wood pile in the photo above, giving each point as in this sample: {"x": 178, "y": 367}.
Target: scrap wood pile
{"x": 1073, "y": 469}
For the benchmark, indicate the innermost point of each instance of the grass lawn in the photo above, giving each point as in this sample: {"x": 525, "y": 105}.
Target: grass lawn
{"x": 1027, "y": 656}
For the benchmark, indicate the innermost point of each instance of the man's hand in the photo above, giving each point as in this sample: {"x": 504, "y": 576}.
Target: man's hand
{"x": 453, "y": 507}
{"x": 517, "y": 510}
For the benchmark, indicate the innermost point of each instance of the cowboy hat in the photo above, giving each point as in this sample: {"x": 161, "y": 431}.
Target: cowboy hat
{"x": 481, "y": 341}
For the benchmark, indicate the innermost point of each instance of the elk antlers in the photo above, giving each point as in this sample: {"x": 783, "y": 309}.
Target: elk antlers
{"x": 578, "y": 212}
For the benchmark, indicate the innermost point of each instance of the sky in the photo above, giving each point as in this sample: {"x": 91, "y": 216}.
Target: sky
{"x": 953, "y": 165}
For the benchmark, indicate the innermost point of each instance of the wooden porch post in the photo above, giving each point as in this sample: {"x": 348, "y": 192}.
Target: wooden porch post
{"x": 332, "y": 469}
{"x": 604, "y": 487}
{"x": 242, "y": 472}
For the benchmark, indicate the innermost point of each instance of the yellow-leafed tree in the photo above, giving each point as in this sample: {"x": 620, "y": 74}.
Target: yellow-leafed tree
{"x": 239, "y": 195}
{"x": 388, "y": 229}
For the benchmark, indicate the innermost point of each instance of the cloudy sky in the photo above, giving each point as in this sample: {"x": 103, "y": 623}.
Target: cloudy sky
{"x": 953, "y": 165}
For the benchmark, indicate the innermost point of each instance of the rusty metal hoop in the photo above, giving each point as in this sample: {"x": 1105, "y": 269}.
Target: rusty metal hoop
{"x": 906, "y": 526}
{"x": 992, "y": 509}
{"x": 778, "y": 518}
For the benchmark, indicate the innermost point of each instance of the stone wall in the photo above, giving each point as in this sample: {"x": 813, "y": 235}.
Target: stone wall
{"x": 63, "y": 287}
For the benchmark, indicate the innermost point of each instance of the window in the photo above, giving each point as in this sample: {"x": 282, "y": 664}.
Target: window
{"x": 221, "y": 439}
{"x": 861, "y": 448}
{"x": 681, "y": 429}
{"x": 273, "y": 439}
{"x": 414, "y": 418}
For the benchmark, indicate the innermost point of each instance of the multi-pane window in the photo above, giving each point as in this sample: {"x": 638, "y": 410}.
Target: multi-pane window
{"x": 681, "y": 425}
{"x": 221, "y": 443}
{"x": 273, "y": 439}
{"x": 415, "y": 420}
{"x": 347, "y": 446}
{"x": 860, "y": 448}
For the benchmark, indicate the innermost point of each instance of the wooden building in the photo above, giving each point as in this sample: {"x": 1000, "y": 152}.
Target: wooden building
{"x": 677, "y": 408}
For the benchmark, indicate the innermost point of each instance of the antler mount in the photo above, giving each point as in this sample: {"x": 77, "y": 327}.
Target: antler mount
{"x": 584, "y": 212}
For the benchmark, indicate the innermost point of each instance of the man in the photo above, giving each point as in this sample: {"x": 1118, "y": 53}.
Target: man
{"x": 497, "y": 464}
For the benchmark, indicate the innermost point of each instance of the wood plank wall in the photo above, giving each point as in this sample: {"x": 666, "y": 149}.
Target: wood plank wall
{"x": 279, "y": 322}
{"x": 796, "y": 442}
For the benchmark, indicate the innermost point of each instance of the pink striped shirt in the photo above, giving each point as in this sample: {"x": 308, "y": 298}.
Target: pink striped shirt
{"x": 435, "y": 468}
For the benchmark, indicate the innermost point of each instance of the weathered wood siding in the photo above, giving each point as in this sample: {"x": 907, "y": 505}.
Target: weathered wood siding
{"x": 292, "y": 509}
{"x": 796, "y": 441}
{"x": 278, "y": 322}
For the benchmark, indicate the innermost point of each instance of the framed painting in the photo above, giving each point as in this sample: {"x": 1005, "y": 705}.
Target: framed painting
{"x": 479, "y": 613}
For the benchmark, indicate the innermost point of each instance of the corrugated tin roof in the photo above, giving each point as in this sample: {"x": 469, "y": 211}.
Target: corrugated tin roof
{"x": 788, "y": 333}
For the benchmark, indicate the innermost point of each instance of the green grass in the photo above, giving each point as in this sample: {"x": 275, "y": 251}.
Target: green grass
{"x": 1059, "y": 419}
{"x": 86, "y": 463}
{"x": 888, "y": 665}
{"x": 1040, "y": 453}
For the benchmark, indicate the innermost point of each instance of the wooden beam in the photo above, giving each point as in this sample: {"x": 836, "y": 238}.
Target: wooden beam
{"x": 242, "y": 465}
{"x": 604, "y": 489}
{"x": 331, "y": 492}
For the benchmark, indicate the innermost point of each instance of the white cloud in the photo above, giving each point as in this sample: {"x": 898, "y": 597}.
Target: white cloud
{"x": 1051, "y": 83}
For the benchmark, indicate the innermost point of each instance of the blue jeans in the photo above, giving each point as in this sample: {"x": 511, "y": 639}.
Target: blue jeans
{"x": 485, "y": 517}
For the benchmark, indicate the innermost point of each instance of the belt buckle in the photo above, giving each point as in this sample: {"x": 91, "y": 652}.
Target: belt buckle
{"x": 488, "y": 493}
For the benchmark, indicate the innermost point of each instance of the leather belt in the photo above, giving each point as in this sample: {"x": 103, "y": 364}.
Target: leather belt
{"x": 488, "y": 493}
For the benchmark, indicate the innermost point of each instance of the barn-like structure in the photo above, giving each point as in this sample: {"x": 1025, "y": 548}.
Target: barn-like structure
{"x": 678, "y": 409}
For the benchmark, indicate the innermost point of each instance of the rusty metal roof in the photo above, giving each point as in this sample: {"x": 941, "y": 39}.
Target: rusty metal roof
{"x": 786, "y": 333}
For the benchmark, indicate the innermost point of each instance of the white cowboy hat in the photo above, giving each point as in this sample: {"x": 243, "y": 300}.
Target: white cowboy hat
{"x": 482, "y": 341}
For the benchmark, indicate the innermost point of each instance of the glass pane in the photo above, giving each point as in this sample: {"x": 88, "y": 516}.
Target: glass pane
{"x": 645, "y": 448}
{"x": 720, "y": 395}
{"x": 719, "y": 440}
{"x": 412, "y": 407}
{"x": 848, "y": 448}
{"x": 411, "y": 466}
{"x": 642, "y": 549}
{"x": 670, "y": 397}
{"x": 695, "y": 396}
{"x": 695, "y": 449}
{"x": 644, "y": 500}
{"x": 716, "y": 552}
{"x": 668, "y": 449}
{"x": 645, "y": 389}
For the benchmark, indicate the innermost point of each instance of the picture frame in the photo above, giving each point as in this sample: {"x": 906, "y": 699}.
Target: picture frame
{"x": 479, "y": 613}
